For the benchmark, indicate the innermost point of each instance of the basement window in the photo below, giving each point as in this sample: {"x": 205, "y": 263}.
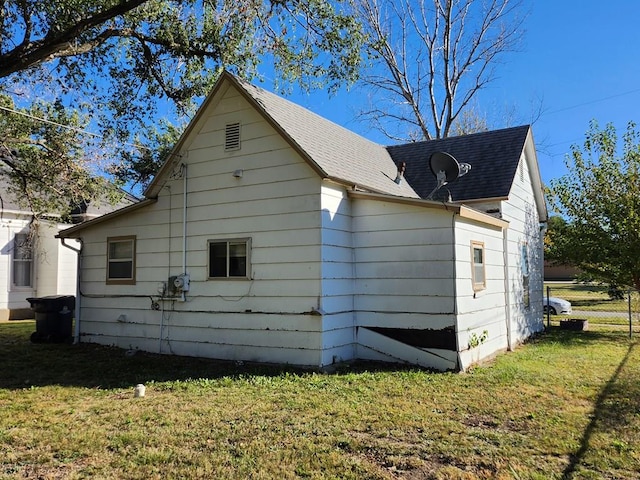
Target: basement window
{"x": 232, "y": 136}
{"x": 477, "y": 270}
{"x": 229, "y": 258}
{"x": 121, "y": 260}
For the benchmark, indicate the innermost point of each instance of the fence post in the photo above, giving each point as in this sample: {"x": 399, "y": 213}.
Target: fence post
{"x": 630, "y": 324}
{"x": 548, "y": 312}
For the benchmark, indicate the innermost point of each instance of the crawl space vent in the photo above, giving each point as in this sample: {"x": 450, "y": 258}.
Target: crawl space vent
{"x": 232, "y": 136}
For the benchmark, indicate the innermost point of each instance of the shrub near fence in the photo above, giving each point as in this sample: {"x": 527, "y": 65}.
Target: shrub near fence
{"x": 593, "y": 303}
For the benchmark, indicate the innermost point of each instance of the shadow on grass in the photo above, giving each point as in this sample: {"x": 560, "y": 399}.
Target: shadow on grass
{"x": 24, "y": 364}
{"x": 615, "y": 406}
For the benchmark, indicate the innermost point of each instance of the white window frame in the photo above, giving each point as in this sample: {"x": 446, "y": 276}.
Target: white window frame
{"x": 121, "y": 280}
{"x": 478, "y": 284}
{"x": 14, "y": 260}
{"x": 228, "y": 242}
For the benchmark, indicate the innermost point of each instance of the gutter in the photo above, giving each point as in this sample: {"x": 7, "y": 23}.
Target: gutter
{"x": 76, "y": 314}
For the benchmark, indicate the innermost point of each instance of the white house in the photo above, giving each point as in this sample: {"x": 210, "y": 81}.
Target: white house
{"x": 33, "y": 263}
{"x": 273, "y": 235}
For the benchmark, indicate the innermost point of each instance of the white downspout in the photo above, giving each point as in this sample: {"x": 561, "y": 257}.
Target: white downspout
{"x": 455, "y": 291}
{"x": 184, "y": 218}
{"x": 76, "y": 315}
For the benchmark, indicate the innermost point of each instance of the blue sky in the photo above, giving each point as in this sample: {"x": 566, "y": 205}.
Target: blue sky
{"x": 580, "y": 59}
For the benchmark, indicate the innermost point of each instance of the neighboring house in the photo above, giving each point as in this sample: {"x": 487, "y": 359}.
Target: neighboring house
{"x": 273, "y": 235}
{"x": 559, "y": 273}
{"x": 33, "y": 263}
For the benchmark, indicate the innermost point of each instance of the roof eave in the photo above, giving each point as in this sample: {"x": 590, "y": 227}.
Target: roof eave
{"x": 72, "y": 231}
{"x": 462, "y": 210}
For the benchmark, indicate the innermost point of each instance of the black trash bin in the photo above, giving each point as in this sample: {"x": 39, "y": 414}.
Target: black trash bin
{"x": 54, "y": 318}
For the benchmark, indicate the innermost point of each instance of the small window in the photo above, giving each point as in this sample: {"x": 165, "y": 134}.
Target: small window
{"x": 22, "y": 261}
{"x": 229, "y": 259}
{"x": 121, "y": 264}
{"x": 232, "y": 136}
{"x": 477, "y": 270}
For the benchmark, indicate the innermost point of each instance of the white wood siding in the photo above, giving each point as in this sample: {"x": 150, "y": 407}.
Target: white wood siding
{"x": 403, "y": 265}
{"x": 524, "y": 227}
{"x": 337, "y": 276}
{"x": 483, "y": 310}
{"x": 11, "y": 298}
{"x": 276, "y": 203}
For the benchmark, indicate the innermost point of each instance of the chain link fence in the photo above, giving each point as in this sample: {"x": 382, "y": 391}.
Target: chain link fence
{"x": 581, "y": 306}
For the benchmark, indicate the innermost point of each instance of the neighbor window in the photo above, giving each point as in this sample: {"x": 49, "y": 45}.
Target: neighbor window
{"x": 229, "y": 258}
{"x": 477, "y": 270}
{"x": 22, "y": 260}
{"x": 121, "y": 264}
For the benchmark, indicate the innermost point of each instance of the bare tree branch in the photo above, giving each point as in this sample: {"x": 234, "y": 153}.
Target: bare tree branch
{"x": 435, "y": 56}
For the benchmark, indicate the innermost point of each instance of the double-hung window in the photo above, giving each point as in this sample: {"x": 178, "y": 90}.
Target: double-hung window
{"x": 477, "y": 266}
{"x": 121, "y": 260}
{"x": 229, "y": 258}
{"x": 21, "y": 276}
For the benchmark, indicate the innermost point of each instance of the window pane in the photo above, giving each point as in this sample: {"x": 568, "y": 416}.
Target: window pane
{"x": 477, "y": 255}
{"x": 217, "y": 259}
{"x": 120, "y": 250}
{"x": 238, "y": 259}
{"x": 120, "y": 269}
{"x": 22, "y": 274}
{"x": 478, "y": 274}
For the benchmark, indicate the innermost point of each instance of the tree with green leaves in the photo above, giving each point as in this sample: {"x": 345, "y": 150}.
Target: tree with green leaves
{"x": 43, "y": 164}
{"x": 599, "y": 199}
{"x": 121, "y": 66}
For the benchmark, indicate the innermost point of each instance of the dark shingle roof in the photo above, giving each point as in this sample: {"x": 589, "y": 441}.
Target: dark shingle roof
{"x": 494, "y": 158}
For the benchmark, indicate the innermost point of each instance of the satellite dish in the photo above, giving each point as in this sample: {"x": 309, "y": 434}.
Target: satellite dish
{"x": 446, "y": 169}
{"x": 443, "y": 162}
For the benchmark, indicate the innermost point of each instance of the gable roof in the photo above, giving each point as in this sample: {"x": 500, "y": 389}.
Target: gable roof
{"x": 332, "y": 151}
{"x": 494, "y": 157}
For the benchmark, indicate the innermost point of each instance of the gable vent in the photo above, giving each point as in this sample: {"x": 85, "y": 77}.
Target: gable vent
{"x": 232, "y": 136}
{"x": 521, "y": 165}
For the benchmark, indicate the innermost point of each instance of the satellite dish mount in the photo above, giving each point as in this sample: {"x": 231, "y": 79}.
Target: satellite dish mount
{"x": 446, "y": 169}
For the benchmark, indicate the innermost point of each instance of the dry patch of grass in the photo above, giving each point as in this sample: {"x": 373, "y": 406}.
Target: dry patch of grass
{"x": 566, "y": 405}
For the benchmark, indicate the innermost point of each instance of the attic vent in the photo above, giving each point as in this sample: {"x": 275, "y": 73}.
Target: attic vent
{"x": 232, "y": 136}
{"x": 521, "y": 165}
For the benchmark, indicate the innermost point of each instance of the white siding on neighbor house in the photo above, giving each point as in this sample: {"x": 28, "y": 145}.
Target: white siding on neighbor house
{"x": 55, "y": 264}
{"x": 11, "y": 297}
{"x": 524, "y": 227}
{"x": 275, "y": 203}
{"x": 337, "y": 276}
{"x": 53, "y": 272}
{"x": 482, "y": 310}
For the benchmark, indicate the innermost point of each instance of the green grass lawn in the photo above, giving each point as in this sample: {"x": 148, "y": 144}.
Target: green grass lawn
{"x": 565, "y": 405}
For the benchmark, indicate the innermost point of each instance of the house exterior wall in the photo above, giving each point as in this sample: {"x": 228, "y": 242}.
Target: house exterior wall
{"x": 12, "y": 298}
{"x": 275, "y": 203}
{"x": 404, "y": 276}
{"x": 337, "y": 253}
{"x": 481, "y": 317}
{"x": 523, "y": 235}
{"x": 53, "y": 266}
